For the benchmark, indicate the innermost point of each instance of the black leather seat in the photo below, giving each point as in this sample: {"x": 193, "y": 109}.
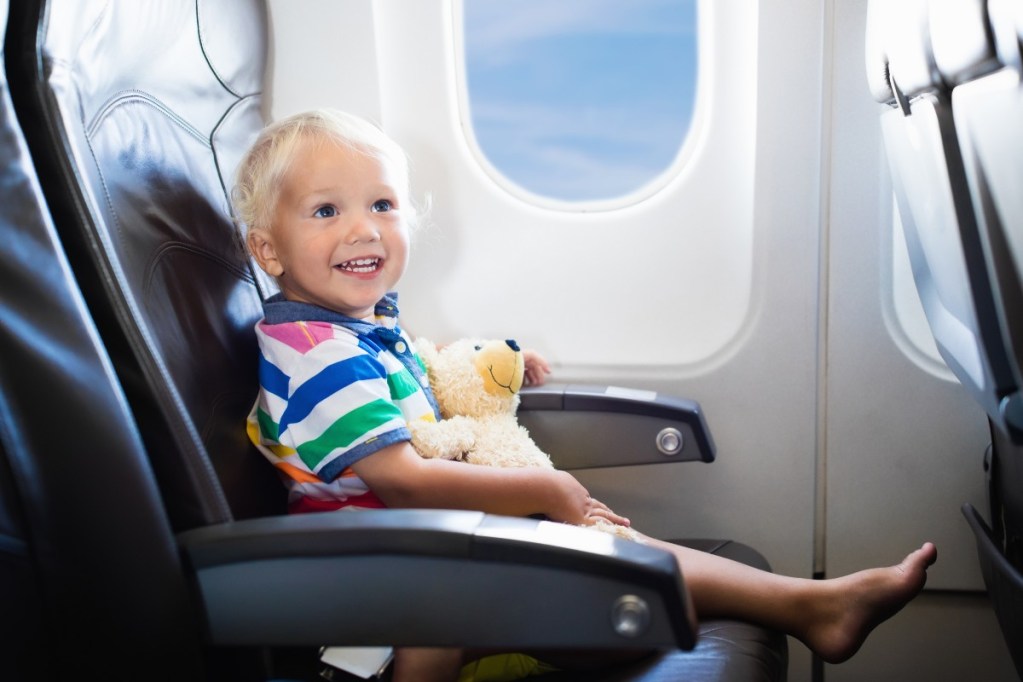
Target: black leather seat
{"x": 21, "y": 630}
{"x": 90, "y": 575}
{"x": 949, "y": 72}
{"x": 136, "y": 115}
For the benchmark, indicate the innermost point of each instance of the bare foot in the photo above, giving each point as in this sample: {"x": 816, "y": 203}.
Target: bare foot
{"x": 861, "y": 601}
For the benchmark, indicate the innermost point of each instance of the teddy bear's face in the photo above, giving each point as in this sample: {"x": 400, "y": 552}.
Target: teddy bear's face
{"x": 501, "y": 366}
{"x": 477, "y": 378}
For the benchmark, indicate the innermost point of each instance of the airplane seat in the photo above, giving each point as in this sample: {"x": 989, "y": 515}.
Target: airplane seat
{"x": 21, "y": 629}
{"x": 89, "y": 570}
{"x": 949, "y": 73}
{"x": 986, "y": 75}
{"x": 137, "y": 115}
{"x": 159, "y": 261}
{"x": 987, "y": 104}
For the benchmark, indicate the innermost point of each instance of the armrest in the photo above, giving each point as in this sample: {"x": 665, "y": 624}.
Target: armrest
{"x": 584, "y": 427}
{"x": 433, "y": 578}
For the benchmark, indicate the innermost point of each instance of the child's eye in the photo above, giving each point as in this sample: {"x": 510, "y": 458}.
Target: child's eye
{"x": 381, "y": 206}
{"x": 325, "y": 212}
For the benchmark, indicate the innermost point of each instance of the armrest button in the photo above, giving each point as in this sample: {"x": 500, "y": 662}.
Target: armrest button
{"x": 630, "y": 616}
{"x": 669, "y": 441}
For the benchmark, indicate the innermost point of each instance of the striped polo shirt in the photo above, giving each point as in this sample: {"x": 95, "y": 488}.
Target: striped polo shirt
{"x": 333, "y": 390}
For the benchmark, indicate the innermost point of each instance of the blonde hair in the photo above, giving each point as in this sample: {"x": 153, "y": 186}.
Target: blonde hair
{"x": 261, "y": 171}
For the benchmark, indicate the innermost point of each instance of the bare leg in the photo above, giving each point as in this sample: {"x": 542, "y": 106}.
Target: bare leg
{"x": 832, "y": 617}
{"x": 426, "y": 665}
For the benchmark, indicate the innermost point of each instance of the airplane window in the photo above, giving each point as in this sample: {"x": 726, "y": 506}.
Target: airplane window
{"x": 578, "y": 100}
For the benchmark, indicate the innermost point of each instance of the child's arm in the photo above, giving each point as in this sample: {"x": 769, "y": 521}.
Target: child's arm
{"x": 403, "y": 479}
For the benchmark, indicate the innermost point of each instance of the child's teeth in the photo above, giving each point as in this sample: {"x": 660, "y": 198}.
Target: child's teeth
{"x": 360, "y": 264}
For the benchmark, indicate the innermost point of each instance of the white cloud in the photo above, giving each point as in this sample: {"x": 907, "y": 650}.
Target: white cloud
{"x": 542, "y": 143}
{"x": 548, "y": 140}
{"x": 498, "y": 30}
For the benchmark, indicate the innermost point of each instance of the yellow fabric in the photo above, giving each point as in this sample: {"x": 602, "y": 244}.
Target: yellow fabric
{"x": 504, "y": 668}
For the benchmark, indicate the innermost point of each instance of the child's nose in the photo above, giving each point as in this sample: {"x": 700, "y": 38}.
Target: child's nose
{"x": 361, "y": 229}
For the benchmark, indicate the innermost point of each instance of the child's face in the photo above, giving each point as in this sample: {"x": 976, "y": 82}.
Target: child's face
{"x": 338, "y": 238}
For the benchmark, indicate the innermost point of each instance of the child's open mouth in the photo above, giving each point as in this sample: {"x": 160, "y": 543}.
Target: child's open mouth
{"x": 360, "y": 265}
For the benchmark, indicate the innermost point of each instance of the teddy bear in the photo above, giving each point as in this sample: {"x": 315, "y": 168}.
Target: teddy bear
{"x": 476, "y": 384}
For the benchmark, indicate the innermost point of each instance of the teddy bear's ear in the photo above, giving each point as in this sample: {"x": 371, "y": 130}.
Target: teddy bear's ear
{"x": 427, "y": 350}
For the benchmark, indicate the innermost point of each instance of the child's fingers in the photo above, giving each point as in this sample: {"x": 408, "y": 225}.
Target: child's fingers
{"x": 600, "y": 510}
{"x": 535, "y": 361}
{"x": 536, "y": 368}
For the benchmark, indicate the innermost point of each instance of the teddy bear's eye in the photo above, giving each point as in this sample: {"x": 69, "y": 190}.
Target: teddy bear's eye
{"x": 478, "y": 348}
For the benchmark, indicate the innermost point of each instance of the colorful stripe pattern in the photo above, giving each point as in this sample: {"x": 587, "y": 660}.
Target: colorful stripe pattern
{"x": 330, "y": 394}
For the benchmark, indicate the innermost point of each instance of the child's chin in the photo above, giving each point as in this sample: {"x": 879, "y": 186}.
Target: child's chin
{"x": 358, "y": 309}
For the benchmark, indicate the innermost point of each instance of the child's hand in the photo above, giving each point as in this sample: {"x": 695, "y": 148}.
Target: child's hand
{"x": 599, "y": 510}
{"x": 537, "y": 368}
{"x": 574, "y": 504}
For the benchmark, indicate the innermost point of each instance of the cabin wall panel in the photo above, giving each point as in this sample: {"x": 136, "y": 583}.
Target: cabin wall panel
{"x": 322, "y": 53}
{"x": 705, "y": 290}
{"x": 905, "y": 444}
{"x": 940, "y": 636}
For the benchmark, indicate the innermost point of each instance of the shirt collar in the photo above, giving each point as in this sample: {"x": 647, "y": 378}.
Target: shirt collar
{"x": 278, "y": 310}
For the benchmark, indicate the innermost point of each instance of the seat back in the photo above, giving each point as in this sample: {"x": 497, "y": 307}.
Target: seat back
{"x": 143, "y": 110}
{"x": 977, "y": 52}
{"x": 22, "y": 636}
{"x": 950, "y": 73}
{"x": 986, "y": 73}
{"x": 91, "y": 583}
{"x": 937, "y": 213}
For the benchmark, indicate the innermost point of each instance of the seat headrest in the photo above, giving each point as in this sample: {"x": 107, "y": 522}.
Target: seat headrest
{"x": 1006, "y": 17}
{"x": 899, "y": 45}
{"x": 219, "y": 25}
{"x": 181, "y": 55}
{"x": 963, "y": 46}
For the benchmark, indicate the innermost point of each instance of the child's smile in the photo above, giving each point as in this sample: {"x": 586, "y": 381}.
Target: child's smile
{"x": 360, "y": 266}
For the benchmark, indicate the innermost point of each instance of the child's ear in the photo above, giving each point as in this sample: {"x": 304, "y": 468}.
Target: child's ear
{"x": 262, "y": 249}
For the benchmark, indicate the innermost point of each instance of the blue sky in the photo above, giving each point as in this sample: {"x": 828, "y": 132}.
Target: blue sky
{"x": 580, "y": 99}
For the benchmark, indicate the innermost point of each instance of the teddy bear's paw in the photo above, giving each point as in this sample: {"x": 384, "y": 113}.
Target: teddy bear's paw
{"x": 433, "y": 440}
{"x": 623, "y": 532}
{"x": 488, "y": 454}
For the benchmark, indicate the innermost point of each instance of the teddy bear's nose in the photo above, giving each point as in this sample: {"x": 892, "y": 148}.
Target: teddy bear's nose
{"x": 511, "y": 344}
